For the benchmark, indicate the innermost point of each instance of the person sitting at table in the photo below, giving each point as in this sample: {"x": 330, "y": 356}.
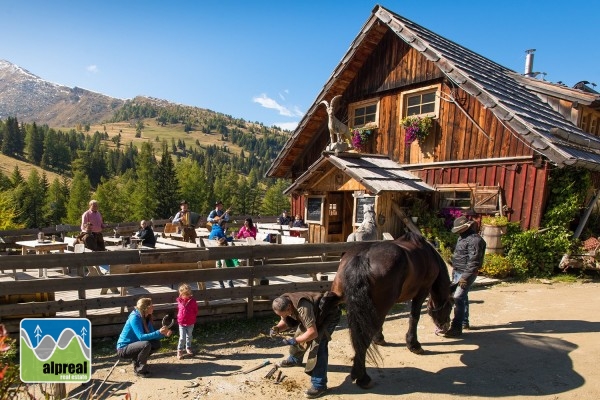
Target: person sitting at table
{"x": 218, "y": 214}
{"x": 248, "y": 230}
{"x": 91, "y": 228}
{"x": 188, "y": 221}
{"x": 284, "y": 219}
{"x": 298, "y": 222}
{"x": 146, "y": 233}
{"x": 139, "y": 339}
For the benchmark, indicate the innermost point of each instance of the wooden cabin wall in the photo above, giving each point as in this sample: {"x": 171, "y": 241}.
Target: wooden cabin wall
{"x": 524, "y": 187}
{"x": 392, "y": 224}
{"x": 394, "y": 67}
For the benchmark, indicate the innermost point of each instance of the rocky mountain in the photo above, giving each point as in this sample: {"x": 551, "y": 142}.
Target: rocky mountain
{"x": 32, "y": 99}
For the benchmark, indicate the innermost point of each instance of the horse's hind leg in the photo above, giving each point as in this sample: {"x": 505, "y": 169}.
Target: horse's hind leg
{"x": 413, "y": 320}
{"x": 359, "y": 372}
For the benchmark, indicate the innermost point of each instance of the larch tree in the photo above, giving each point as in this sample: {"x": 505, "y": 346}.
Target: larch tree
{"x": 79, "y": 198}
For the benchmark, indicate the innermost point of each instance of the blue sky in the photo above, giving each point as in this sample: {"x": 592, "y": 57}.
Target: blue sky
{"x": 266, "y": 61}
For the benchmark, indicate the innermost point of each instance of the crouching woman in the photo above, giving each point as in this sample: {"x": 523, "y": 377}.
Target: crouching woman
{"x": 139, "y": 339}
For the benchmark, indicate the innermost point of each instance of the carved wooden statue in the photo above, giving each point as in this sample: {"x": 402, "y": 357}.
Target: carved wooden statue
{"x": 338, "y": 131}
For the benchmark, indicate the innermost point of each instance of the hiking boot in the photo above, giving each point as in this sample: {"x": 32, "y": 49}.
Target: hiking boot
{"x": 180, "y": 354}
{"x": 453, "y": 332}
{"x": 189, "y": 352}
{"x": 288, "y": 363}
{"x": 466, "y": 326}
{"x": 313, "y": 392}
{"x": 142, "y": 374}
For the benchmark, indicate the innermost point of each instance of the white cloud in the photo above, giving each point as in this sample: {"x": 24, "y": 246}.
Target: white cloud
{"x": 92, "y": 68}
{"x": 268, "y": 102}
{"x": 290, "y": 126}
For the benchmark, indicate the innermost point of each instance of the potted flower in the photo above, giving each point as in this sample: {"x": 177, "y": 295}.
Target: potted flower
{"x": 361, "y": 135}
{"x": 416, "y": 128}
{"x": 492, "y": 229}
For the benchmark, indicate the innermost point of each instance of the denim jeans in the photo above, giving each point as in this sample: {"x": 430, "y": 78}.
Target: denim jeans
{"x": 139, "y": 353}
{"x": 185, "y": 337}
{"x": 461, "y": 300}
{"x": 318, "y": 376}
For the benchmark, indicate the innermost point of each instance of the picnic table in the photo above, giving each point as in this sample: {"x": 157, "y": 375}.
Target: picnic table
{"x": 43, "y": 247}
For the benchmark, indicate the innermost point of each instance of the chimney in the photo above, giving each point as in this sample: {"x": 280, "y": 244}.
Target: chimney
{"x": 529, "y": 62}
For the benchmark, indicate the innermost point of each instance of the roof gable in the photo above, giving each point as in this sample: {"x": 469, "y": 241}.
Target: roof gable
{"x": 497, "y": 88}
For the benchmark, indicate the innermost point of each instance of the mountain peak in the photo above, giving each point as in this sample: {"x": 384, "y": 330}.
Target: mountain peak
{"x": 32, "y": 99}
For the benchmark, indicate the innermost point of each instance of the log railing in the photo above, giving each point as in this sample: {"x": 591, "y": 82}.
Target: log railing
{"x": 157, "y": 267}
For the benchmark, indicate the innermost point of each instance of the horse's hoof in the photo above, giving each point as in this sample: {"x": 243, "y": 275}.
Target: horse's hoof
{"x": 381, "y": 342}
{"x": 417, "y": 350}
{"x": 364, "y": 382}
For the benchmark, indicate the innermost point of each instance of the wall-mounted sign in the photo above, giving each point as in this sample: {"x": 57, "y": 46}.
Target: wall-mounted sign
{"x": 314, "y": 209}
{"x": 359, "y": 202}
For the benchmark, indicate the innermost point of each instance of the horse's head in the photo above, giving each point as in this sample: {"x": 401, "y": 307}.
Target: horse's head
{"x": 440, "y": 313}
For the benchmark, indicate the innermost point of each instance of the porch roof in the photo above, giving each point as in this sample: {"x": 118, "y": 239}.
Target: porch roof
{"x": 377, "y": 173}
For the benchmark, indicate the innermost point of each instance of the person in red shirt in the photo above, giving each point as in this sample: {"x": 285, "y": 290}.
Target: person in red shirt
{"x": 187, "y": 310}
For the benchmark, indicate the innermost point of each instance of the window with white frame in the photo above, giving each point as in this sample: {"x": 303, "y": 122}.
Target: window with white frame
{"x": 422, "y": 102}
{"x": 364, "y": 112}
{"x": 455, "y": 198}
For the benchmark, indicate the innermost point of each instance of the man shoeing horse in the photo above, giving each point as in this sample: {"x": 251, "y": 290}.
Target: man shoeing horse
{"x": 315, "y": 315}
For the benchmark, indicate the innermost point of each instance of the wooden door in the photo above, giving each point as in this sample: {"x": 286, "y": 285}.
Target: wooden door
{"x": 335, "y": 217}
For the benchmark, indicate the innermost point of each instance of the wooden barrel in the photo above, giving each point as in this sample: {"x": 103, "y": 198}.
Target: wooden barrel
{"x": 26, "y": 298}
{"x": 493, "y": 238}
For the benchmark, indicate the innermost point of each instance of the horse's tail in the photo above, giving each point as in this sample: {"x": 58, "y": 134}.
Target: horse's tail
{"x": 363, "y": 320}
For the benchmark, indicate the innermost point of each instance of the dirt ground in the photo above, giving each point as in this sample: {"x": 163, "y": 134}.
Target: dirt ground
{"x": 529, "y": 341}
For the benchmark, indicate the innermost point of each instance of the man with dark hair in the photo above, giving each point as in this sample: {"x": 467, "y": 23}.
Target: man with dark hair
{"x": 315, "y": 315}
{"x": 466, "y": 262}
{"x": 284, "y": 218}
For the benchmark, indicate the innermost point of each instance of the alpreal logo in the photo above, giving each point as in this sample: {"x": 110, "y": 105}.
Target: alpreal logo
{"x": 56, "y": 350}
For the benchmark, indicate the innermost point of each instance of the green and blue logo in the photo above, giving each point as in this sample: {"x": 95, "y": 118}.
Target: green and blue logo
{"x": 56, "y": 350}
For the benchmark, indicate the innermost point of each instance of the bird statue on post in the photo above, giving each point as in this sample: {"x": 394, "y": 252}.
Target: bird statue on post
{"x": 338, "y": 131}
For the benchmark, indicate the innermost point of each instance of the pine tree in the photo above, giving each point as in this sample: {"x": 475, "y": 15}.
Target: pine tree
{"x": 168, "y": 185}
{"x": 34, "y": 144}
{"x": 79, "y": 198}
{"x": 145, "y": 195}
{"x": 8, "y": 212}
{"x": 16, "y": 177}
{"x": 274, "y": 200}
{"x": 55, "y": 207}
{"x": 192, "y": 184}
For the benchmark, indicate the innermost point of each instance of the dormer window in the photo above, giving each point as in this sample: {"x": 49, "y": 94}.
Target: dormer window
{"x": 364, "y": 112}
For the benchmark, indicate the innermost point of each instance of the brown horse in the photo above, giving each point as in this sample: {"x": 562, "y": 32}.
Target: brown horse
{"x": 372, "y": 277}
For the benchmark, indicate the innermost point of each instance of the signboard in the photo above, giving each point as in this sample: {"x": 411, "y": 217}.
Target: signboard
{"x": 314, "y": 209}
{"x": 359, "y": 202}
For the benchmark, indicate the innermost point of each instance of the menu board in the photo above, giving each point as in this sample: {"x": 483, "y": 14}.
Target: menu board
{"x": 359, "y": 214}
{"x": 314, "y": 210}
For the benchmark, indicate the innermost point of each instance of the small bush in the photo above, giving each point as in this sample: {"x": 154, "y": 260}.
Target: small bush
{"x": 496, "y": 266}
{"x": 494, "y": 220}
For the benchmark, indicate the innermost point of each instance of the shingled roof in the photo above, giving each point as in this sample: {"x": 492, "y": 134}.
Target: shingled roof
{"x": 377, "y": 173}
{"x": 503, "y": 91}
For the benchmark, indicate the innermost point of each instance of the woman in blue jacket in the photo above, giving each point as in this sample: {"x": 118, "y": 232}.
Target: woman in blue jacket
{"x": 138, "y": 338}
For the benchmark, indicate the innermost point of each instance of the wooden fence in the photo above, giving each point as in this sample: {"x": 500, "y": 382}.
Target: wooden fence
{"x": 20, "y": 298}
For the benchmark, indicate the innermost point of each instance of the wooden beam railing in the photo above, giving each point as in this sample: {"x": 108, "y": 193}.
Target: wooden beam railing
{"x": 168, "y": 266}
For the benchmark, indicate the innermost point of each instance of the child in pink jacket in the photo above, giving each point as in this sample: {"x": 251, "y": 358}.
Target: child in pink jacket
{"x": 187, "y": 310}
